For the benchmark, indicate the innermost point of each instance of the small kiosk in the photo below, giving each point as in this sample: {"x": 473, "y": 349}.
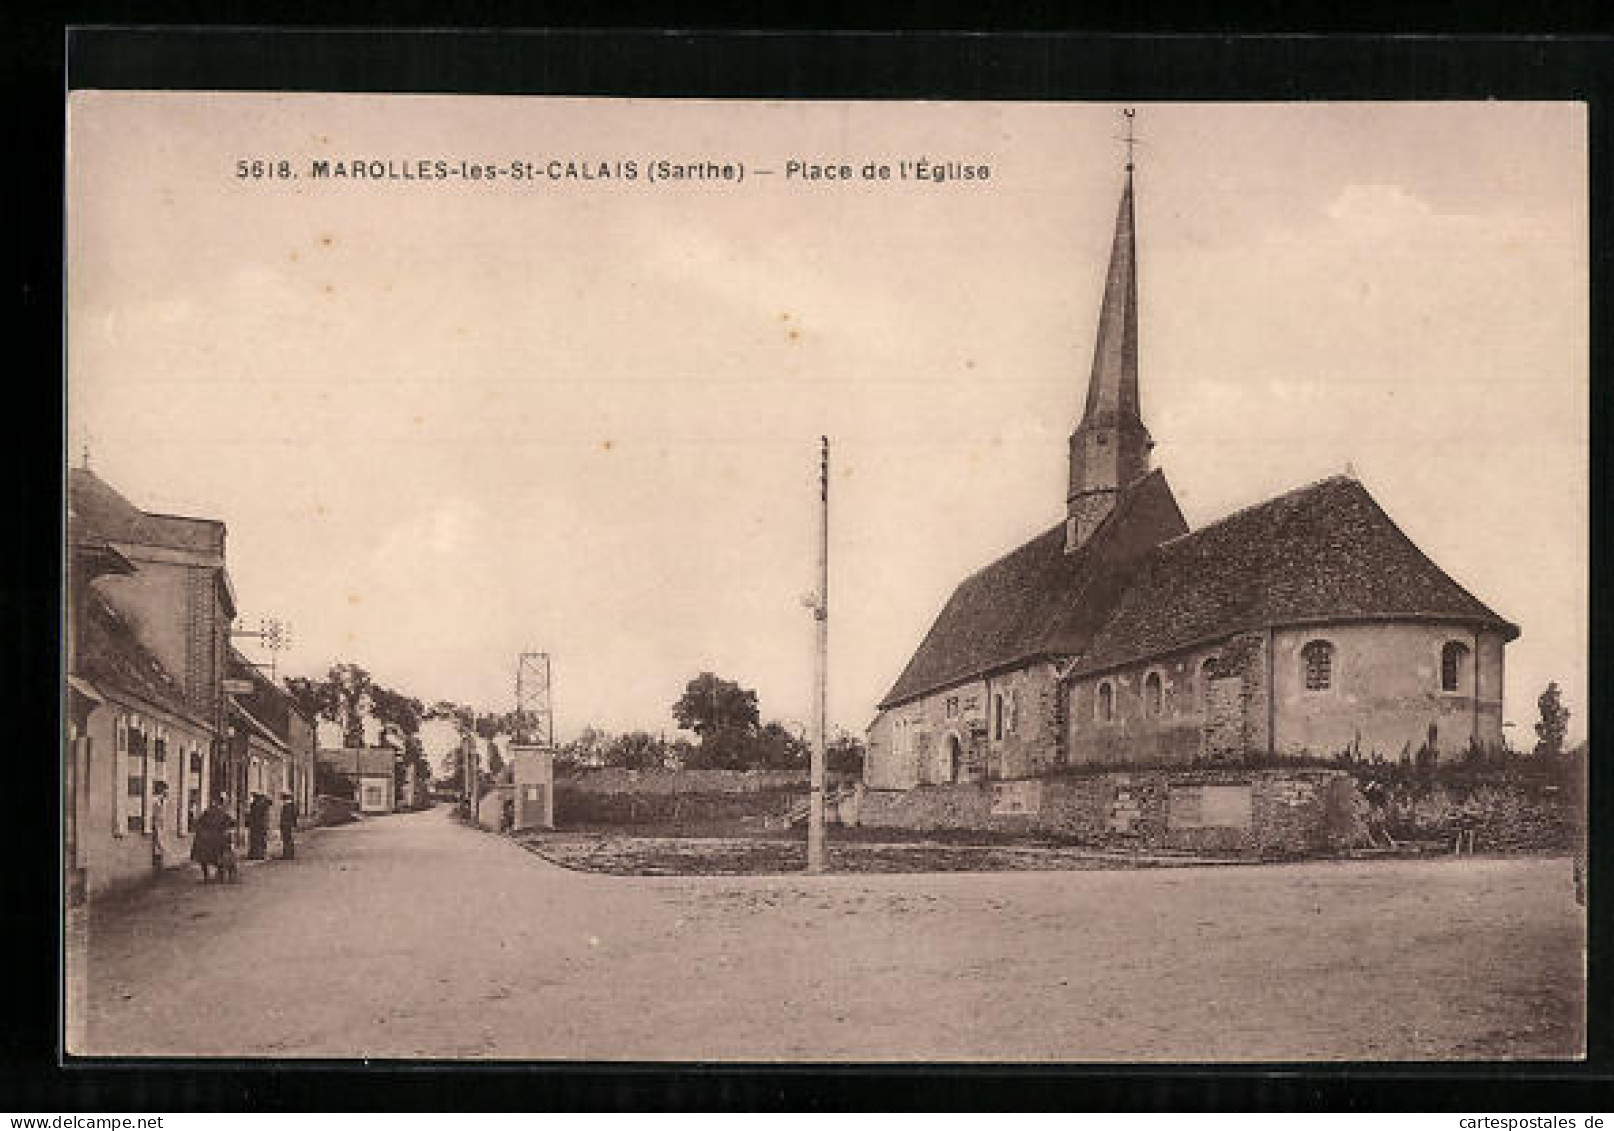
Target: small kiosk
{"x": 535, "y": 786}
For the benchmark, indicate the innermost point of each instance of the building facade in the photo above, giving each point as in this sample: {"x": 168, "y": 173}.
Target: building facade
{"x": 364, "y": 774}
{"x": 1307, "y": 625}
{"x": 149, "y": 610}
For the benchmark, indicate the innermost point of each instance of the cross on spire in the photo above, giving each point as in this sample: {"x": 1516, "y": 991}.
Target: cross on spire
{"x": 1130, "y": 138}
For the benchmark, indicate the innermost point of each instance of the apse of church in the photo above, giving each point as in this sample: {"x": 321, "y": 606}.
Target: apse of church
{"x": 1305, "y": 625}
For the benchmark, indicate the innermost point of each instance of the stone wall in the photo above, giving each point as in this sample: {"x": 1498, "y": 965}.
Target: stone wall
{"x": 616, "y": 780}
{"x": 954, "y": 734}
{"x": 1261, "y": 812}
{"x": 1213, "y": 707}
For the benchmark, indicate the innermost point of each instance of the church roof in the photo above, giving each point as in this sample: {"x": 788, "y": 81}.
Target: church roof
{"x": 1038, "y": 600}
{"x": 1323, "y": 553}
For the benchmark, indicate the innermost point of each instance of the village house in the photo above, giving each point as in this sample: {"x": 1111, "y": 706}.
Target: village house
{"x": 363, "y": 774}
{"x": 1308, "y": 624}
{"x": 149, "y": 607}
{"x": 272, "y": 740}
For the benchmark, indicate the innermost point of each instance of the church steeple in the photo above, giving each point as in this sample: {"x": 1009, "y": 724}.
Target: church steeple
{"x": 1109, "y": 451}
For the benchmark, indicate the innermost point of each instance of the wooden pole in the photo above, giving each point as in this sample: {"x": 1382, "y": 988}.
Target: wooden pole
{"x": 815, "y": 812}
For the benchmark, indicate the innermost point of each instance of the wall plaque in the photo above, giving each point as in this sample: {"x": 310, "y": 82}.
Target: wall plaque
{"x": 1010, "y": 798}
{"x": 1210, "y": 807}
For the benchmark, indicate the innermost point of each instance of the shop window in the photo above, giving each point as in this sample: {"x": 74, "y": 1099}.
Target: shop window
{"x": 1317, "y": 660}
{"x": 1453, "y": 665}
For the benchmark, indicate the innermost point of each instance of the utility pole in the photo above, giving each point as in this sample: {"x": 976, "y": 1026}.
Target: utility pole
{"x": 815, "y": 810}
{"x": 469, "y": 759}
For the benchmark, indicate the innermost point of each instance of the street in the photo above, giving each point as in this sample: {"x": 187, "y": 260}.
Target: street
{"x": 410, "y": 936}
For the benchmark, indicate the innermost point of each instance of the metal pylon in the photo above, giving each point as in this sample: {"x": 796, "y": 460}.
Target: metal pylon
{"x": 535, "y": 714}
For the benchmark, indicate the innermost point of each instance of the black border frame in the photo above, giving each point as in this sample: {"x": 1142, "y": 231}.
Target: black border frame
{"x": 781, "y": 63}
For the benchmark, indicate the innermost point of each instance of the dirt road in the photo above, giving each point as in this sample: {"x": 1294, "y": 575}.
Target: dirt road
{"x": 411, "y": 936}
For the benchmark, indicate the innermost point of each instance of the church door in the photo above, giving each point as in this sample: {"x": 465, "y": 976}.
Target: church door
{"x": 955, "y": 757}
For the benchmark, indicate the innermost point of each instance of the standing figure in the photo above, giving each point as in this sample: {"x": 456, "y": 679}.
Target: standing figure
{"x": 288, "y": 827}
{"x": 258, "y": 826}
{"x": 212, "y": 828}
{"x": 159, "y": 811}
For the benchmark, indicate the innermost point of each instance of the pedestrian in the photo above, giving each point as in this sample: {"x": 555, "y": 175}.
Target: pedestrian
{"x": 258, "y": 827}
{"x": 288, "y": 827}
{"x": 212, "y": 827}
{"x": 159, "y": 810}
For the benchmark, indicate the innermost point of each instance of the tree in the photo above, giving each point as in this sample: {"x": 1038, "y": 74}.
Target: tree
{"x": 314, "y": 698}
{"x": 710, "y": 704}
{"x": 778, "y": 749}
{"x": 844, "y": 753}
{"x": 1554, "y": 724}
{"x": 396, "y": 710}
{"x": 637, "y": 750}
{"x": 350, "y": 694}
{"x": 589, "y": 748}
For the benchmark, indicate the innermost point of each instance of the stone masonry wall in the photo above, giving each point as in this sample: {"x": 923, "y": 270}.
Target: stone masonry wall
{"x": 616, "y": 780}
{"x": 1262, "y": 812}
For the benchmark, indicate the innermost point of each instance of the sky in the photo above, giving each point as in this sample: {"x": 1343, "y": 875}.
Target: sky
{"x": 448, "y": 421}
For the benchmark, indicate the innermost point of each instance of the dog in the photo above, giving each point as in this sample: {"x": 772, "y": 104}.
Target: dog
{"x": 229, "y": 869}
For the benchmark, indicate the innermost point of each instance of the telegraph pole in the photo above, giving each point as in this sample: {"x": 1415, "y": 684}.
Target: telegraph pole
{"x": 815, "y": 811}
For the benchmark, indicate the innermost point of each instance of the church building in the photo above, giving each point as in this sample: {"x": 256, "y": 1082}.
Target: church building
{"x": 1306, "y": 625}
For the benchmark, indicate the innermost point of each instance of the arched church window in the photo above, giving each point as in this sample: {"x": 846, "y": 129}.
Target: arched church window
{"x": 1453, "y": 665}
{"x": 1317, "y": 659}
{"x": 1153, "y": 695}
{"x": 1106, "y": 702}
{"x": 1206, "y": 674}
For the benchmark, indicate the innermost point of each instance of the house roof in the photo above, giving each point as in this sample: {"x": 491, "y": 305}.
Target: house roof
{"x": 268, "y": 701}
{"x": 361, "y": 761}
{"x": 1038, "y": 600}
{"x": 95, "y": 509}
{"x": 112, "y": 658}
{"x": 256, "y": 726}
{"x": 1323, "y": 553}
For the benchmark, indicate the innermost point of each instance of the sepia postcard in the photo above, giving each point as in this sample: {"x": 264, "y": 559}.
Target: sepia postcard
{"x": 629, "y": 579}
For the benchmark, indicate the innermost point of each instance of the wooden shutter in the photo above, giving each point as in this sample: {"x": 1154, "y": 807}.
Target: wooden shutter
{"x": 120, "y": 775}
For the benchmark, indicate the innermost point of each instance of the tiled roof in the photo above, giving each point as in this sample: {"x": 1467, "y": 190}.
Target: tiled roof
{"x": 110, "y": 656}
{"x": 361, "y": 761}
{"x": 1039, "y": 600}
{"x": 237, "y": 711}
{"x": 267, "y": 701}
{"x": 95, "y": 509}
{"x": 1325, "y": 552}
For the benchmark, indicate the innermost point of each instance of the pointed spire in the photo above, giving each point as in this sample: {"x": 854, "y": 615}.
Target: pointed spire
{"x": 1112, "y": 388}
{"x": 1109, "y": 451}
